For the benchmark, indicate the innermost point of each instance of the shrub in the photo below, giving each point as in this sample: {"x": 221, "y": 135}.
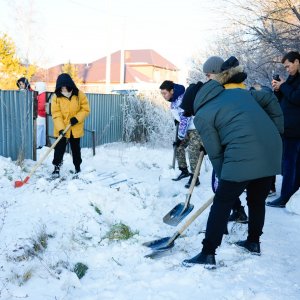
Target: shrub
{"x": 147, "y": 119}
{"x": 120, "y": 231}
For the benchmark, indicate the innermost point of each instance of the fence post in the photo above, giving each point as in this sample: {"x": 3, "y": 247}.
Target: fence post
{"x": 94, "y": 142}
{"x": 34, "y": 135}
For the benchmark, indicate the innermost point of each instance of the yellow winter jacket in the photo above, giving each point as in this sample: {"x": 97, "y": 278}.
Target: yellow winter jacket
{"x": 63, "y": 109}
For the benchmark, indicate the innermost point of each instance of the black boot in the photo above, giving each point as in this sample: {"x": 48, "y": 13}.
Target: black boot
{"x": 184, "y": 173}
{"x": 190, "y": 181}
{"x": 202, "y": 259}
{"x": 77, "y": 170}
{"x": 279, "y": 202}
{"x": 55, "y": 173}
{"x": 238, "y": 215}
{"x": 252, "y": 247}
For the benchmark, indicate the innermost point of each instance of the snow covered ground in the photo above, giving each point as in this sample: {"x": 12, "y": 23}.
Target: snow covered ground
{"x": 48, "y": 227}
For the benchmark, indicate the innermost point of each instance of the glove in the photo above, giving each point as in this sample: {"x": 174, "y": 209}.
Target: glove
{"x": 202, "y": 149}
{"x": 176, "y": 122}
{"x": 177, "y": 143}
{"x": 187, "y": 113}
{"x": 73, "y": 121}
{"x": 61, "y": 132}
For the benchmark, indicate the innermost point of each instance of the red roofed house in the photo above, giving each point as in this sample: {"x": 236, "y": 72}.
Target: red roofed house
{"x": 141, "y": 70}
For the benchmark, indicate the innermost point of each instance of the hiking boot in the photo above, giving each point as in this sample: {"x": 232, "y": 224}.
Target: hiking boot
{"x": 202, "y": 259}
{"x": 190, "y": 181}
{"x": 252, "y": 247}
{"x": 184, "y": 173}
{"x": 238, "y": 215}
{"x": 277, "y": 203}
{"x": 77, "y": 170}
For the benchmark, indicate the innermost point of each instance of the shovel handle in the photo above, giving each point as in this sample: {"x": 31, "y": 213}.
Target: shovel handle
{"x": 190, "y": 220}
{"x": 175, "y": 148}
{"x": 196, "y": 174}
{"x": 47, "y": 152}
{"x": 196, "y": 215}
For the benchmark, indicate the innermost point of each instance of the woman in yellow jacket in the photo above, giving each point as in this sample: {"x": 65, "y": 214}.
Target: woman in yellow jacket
{"x": 68, "y": 106}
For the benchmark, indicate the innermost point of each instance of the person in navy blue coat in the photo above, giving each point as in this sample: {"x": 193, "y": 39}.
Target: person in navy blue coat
{"x": 288, "y": 94}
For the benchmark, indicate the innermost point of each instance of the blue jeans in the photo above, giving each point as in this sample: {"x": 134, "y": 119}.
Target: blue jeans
{"x": 290, "y": 168}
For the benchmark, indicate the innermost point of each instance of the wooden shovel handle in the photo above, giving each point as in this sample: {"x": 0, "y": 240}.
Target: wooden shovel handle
{"x": 175, "y": 148}
{"x": 196, "y": 215}
{"x": 196, "y": 174}
{"x": 47, "y": 152}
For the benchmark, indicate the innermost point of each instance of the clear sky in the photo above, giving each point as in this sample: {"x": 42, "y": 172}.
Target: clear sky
{"x": 56, "y": 31}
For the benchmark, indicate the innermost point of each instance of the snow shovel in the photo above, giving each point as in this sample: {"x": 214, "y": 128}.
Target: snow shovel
{"x": 175, "y": 148}
{"x": 21, "y": 183}
{"x": 181, "y": 210}
{"x": 167, "y": 243}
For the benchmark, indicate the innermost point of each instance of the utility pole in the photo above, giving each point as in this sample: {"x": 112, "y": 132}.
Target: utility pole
{"x": 108, "y": 56}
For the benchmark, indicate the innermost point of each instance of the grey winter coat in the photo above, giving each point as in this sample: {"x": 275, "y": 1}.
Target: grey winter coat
{"x": 241, "y": 139}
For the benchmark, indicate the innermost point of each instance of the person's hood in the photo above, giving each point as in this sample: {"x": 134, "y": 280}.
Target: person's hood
{"x": 232, "y": 75}
{"x": 178, "y": 91}
{"x": 208, "y": 91}
{"x": 65, "y": 79}
{"x": 40, "y": 87}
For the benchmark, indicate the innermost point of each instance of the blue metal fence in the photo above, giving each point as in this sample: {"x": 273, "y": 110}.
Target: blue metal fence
{"x": 16, "y": 122}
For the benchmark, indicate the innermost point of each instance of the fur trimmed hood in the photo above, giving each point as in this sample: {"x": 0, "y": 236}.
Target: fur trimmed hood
{"x": 227, "y": 75}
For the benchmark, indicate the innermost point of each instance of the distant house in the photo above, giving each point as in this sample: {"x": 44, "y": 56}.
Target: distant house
{"x": 129, "y": 69}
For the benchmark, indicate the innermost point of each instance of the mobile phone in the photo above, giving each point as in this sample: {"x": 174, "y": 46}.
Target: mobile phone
{"x": 276, "y": 77}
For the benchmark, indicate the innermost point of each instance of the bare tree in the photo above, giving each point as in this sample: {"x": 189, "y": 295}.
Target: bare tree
{"x": 260, "y": 33}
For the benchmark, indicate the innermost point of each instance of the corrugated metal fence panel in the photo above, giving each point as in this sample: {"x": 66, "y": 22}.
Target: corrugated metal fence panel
{"x": 106, "y": 119}
{"x": 16, "y": 124}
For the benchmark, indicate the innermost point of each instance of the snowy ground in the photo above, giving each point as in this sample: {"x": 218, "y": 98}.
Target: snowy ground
{"x": 47, "y": 227}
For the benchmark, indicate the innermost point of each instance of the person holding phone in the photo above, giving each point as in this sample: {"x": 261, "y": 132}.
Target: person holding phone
{"x": 288, "y": 94}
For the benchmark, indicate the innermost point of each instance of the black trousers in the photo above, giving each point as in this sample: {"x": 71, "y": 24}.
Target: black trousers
{"x": 60, "y": 149}
{"x": 226, "y": 194}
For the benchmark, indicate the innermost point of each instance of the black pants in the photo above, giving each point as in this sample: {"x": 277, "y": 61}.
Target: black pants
{"x": 226, "y": 194}
{"x": 60, "y": 149}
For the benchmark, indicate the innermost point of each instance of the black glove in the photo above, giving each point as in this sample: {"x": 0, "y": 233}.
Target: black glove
{"x": 176, "y": 122}
{"x": 73, "y": 121}
{"x": 202, "y": 149}
{"x": 177, "y": 143}
{"x": 187, "y": 114}
{"x": 61, "y": 132}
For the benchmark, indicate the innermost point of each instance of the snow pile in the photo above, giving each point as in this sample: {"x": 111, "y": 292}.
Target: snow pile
{"x": 293, "y": 205}
{"x": 54, "y": 232}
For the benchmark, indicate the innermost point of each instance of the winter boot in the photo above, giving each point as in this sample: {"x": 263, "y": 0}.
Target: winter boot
{"x": 77, "y": 170}
{"x": 252, "y": 247}
{"x": 202, "y": 259}
{"x": 238, "y": 215}
{"x": 279, "y": 202}
{"x": 190, "y": 181}
{"x": 55, "y": 173}
{"x": 184, "y": 173}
